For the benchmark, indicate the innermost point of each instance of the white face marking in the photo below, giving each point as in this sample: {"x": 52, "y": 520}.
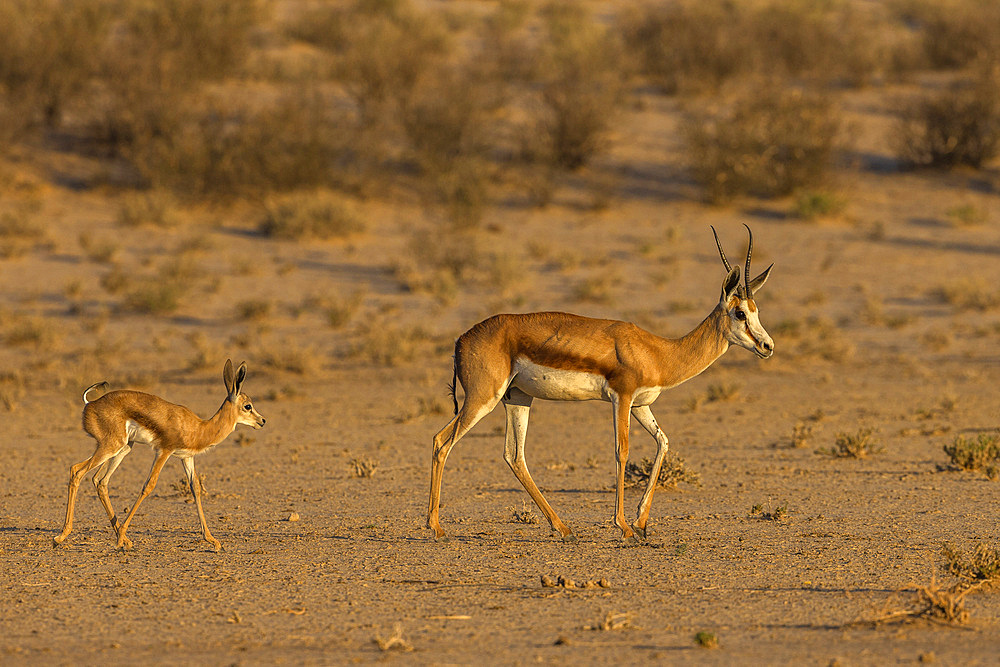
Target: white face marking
{"x": 746, "y": 330}
{"x": 558, "y": 385}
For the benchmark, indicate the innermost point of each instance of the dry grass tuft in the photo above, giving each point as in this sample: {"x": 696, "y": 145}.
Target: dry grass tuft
{"x": 932, "y": 603}
{"x": 364, "y": 467}
{"x": 802, "y": 434}
{"x": 612, "y": 621}
{"x": 672, "y": 472}
{"x": 395, "y": 642}
{"x": 982, "y": 567}
{"x": 309, "y": 216}
{"x": 859, "y": 445}
{"x": 523, "y": 515}
{"x": 972, "y": 293}
{"x": 980, "y": 454}
{"x": 706, "y": 640}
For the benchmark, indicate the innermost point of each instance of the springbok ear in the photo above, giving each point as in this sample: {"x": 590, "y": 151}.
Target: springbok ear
{"x": 759, "y": 281}
{"x": 229, "y": 377}
{"x": 731, "y": 284}
{"x": 241, "y": 375}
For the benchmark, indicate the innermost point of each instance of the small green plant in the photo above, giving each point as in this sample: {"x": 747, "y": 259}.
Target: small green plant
{"x": 967, "y": 215}
{"x": 813, "y": 204}
{"x": 706, "y": 640}
{"x": 980, "y": 454}
{"x": 672, "y": 472}
{"x": 858, "y": 445}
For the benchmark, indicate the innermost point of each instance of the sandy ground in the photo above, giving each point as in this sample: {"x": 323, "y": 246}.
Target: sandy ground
{"x": 863, "y": 340}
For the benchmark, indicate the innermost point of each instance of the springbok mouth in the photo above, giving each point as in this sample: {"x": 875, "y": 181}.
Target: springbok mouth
{"x": 763, "y": 355}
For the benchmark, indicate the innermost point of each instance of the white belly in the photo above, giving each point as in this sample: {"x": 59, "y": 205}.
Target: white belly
{"x": 558, "y": 385}
{"x": 137, "y": 433}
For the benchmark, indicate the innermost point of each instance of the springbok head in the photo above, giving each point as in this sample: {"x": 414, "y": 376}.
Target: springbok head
{"x": 743, "y": 318}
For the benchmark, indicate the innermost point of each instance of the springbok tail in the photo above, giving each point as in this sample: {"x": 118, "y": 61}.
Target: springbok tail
{"x": 103, "y": 385}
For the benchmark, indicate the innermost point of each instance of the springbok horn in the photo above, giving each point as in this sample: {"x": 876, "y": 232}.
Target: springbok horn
{"x": 721, "y": 252}
{"x": 746, "y": 270}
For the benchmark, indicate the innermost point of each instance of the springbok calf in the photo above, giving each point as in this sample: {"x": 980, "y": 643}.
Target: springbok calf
{"x": 120, "y": 419}
{"x": 557, "y": 356}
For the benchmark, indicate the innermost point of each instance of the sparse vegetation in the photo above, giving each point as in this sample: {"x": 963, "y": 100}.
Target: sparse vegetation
{"x": 523, "y": 515}
{"x": 802, "y": 434}
{"x": 980, "y": 454}
{"x": 779, "y": 513}
{"x": 706, "y": 640}
{"x": 969, "y": 293}
{"x": 364, "y": 466}
{"x": 956, "y": 127}
{"x": 858, "y": 445}
{"x": 310, "y": 216}
{"x": 813, "y": 204}
{"x": 672, "y": 472}
{"x": 768, "y": 142}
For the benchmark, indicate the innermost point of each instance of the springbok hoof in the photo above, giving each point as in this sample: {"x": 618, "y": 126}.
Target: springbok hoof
{"x": 569, "y": 539}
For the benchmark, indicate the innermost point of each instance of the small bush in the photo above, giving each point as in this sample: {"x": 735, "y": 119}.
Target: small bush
{"x": 364, "y": 466}
{"x": 706, "y": 640}
{"x": 980, "y": 454}
{"x": 310, "y": 216}
{"x": 802, "y": 434}
{"x": 768, "y": 142}
{"x": 672, "y": 472}
{"x": 969, "y": 294}
{"x": 580, "y": 75}
{"x": 982, "y": 567}
{"x": 957, "y": 34}
{"x": 149, "y": 208}
{"x": 959, "y": 126}
{"x": 859, "y": 445}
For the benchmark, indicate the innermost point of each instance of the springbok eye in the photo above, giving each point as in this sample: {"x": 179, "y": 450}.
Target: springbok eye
{"x": 740, "y": 315}
{"x": 248, "y": 407}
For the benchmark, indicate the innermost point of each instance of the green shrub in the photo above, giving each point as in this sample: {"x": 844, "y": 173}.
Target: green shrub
{"x": 980, "y": 454}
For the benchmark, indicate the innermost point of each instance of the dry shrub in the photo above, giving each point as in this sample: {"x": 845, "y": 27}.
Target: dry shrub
{"x": 672, "y": 472}
{"x": 309, "y": 216}
{"x": 858, "y": 445}
{"x": 579, "y": 69}
{"x": 969, "y": 294}
{"x": 385, "y": 344}
{"x": 148, "y": 208}
{"x": 224, "y": 147}
{"x": 157, "y": 58}
{"x": 19, "y": 233}
{"x": 49, "y": 52}
{"x": 981, "y": 567}
{"x": 980, "y": 454}
{"x": 769, "y": 141}
{"x": 958, "y": 126}
{"x": 956, "y": 33}
{"x": 700, "y": 45}
{"x": 364, "y": 467}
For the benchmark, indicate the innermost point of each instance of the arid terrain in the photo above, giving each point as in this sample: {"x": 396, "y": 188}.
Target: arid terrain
{"x": 885, "y": 313}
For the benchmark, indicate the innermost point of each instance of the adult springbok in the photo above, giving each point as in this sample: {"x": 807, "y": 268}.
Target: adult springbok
{"x": 120, "y": 419}
{"x": 514, "y": 359}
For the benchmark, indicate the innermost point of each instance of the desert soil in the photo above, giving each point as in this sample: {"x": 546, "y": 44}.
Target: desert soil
{"x": 863, "y": 340}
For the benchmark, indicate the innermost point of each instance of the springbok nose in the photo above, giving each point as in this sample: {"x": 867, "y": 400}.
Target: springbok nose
{"x": 768, "y": 346}
{"x": 262, "y": 421}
